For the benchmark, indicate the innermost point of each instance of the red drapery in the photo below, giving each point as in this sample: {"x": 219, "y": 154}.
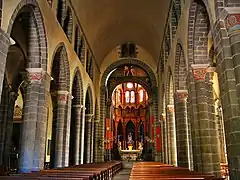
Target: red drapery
{"x": 158, "y": 139}
{"x": 152, "y": 127}
{"x": 108, "y": 131}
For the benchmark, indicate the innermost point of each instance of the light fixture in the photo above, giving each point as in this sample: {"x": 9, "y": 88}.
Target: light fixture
{"x": 52, "y": 78}
{"x": 12, "y": 42}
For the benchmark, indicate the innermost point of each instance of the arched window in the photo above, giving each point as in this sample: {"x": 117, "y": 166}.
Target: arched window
{"x": 119, "y": 96}
{"x": 127, "y": 96}
{"x": 141, "y": 94}
{"x": 132, "y": 97}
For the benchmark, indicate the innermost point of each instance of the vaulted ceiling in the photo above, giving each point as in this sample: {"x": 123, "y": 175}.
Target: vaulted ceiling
{"x": 108, "y": 23}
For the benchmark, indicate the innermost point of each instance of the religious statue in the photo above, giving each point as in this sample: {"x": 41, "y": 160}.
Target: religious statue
{"x": 140, "y": 146}
{"x": 119, "y": 145}
{"x": 130, "y": 141}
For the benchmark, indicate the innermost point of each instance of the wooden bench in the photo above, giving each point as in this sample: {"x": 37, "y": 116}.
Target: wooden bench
{"x": 99, "y": 171}
{"x": 156, "y": 170}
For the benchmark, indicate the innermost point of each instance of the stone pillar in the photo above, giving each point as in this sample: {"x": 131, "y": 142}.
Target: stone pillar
{"x": 205, "y": 143}
{"x": 172, "y": 150}
{"x": 77, "y": 153}
{"x": 88, "y": 120}
{"x": 92, "y": 140}
{"x": 82, "y": 139}
{"x": 66, "y": 132}
{"x": 230, "y": 91}
{"x": 9, "y": 126}
{"x": 182, "y": 131}
{"x": 4, "y": 43}
{"x": 41, "y": 125}
{"x": 34, "y": 121}
{"x": 58, "y": 128}
{"x": 164, "y": 139}
{"x": 3, "y": 120}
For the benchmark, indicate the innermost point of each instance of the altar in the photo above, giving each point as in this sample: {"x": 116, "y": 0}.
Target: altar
{"x": 130, "y": 155}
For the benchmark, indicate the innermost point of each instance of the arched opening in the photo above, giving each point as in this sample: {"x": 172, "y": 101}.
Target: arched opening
{"x": 59, "y": 89}
{"x": 61, "y": 6}
{"x": 170, "y": 120}
{"x": 89, "y": 127}
{"x": 202, "y": 105}
{"x": 76, "y": 118}
{"x": 77, "y": 41}
{"x": 68, "y": 24}
{"x": 18, "y": 121}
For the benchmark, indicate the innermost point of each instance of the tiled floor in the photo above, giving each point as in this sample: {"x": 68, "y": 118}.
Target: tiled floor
{"x": 123, "y": 175}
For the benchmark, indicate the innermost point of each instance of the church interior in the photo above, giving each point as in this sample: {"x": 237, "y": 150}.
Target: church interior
{"x": 120, "y": 89}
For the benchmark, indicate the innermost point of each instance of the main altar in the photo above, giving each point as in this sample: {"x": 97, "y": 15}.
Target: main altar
{"x": 130, "y": 154}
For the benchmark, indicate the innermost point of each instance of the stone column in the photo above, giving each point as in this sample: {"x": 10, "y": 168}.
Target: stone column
{"x": 9, "y": 126}
{"x": 172, "y": 150}
{"x": 88, "y": 120}
{"x": 182, "y": 131}
{"x": 98, "y": 142}
{"x": 82, "y": 139}
{"x": 3, "y": 120}
{"x": 230, "y": 89}
{"x": 66, "y": 132}
{"x": 34, "y": 121}
{"x": 164, "y": 139}
{"x": 206, "y": 147}
{"x": 41, "y": 125}
{"x": 58, "y": 128}
{"x": 77, "y": 153}
{"x": 4, "y": 43}
{"x": 92, "y": 140}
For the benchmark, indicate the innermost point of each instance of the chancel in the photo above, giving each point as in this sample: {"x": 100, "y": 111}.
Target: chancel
{"x": 120, "y": 89}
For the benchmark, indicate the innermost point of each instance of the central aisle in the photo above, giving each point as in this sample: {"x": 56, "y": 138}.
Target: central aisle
{"x": 123, "y": 174}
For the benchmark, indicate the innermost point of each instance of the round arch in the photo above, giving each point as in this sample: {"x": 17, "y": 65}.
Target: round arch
{"x": 60, "y": 56}
{"x": 134, "y": 61}
{"x": 38, "y": 27}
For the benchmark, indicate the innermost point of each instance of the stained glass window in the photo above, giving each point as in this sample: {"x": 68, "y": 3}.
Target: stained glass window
{"x": 127, "y": 96}
{"x": 132, "y": 97}
{"x": 141, "y": 95}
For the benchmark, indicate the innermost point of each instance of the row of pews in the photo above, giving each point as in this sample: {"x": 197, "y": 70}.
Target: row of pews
{"x": 156, "y": 170}
{"x": 99, "y": 171}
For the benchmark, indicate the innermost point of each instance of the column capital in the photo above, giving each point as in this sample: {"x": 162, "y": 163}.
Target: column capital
{"x": 232, "y": 20}
{"x": 62, "y": 96}
{"x": 170, "y": 108}
{"x": 199, "y": 71}
{"x": 35, "y": 75}
{"x": 181, "y": 94}
{"x": 89, "y": 117}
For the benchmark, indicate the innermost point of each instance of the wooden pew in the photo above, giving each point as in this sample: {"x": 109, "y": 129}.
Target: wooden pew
{"x": 156, "y": 170}
{"x": 99, "y": 171}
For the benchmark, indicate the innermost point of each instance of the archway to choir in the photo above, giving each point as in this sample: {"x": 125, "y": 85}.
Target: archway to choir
{"x": 129, "y": 112}
{"x": 131, "y": 101}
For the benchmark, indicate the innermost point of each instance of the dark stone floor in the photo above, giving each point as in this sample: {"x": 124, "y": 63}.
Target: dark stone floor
{"x": 123, "y": 174}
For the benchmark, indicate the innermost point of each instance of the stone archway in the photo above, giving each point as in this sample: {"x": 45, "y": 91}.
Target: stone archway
{"x": 200, "y": 96}
{"x": 183, "y": 133}
{"x": 104, "y": 98}
{"x": 88, "y": 127}
{"x": 30, "y": 76}
{"x": 76, "y": 124}
{"x": 61, "y": 100}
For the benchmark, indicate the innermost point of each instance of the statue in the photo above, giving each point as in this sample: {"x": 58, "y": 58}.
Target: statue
{"x": 130, "y": 141}
{"x": 140, "y": 146}
{"x": 119, "y": 146}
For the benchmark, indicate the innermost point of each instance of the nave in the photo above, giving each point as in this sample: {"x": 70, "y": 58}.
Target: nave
{"x": 115, "y": 171}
